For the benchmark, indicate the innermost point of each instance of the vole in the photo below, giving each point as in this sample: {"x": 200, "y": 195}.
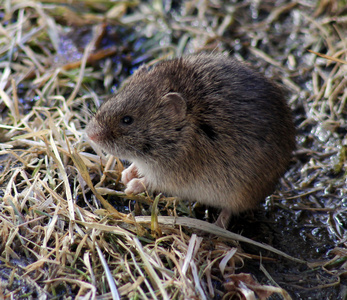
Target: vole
{"x": 202, "y": 127}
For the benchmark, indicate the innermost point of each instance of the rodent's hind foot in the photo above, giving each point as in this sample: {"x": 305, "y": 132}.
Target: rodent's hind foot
{"x": 129, "y": 173}
{"x": 224, "y": 218}
{"x": 136, "y": 186}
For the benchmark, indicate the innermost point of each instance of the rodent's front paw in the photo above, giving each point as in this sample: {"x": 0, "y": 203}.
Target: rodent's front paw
{"x": 129, "y": 173}
{"x": 136, "y": 186}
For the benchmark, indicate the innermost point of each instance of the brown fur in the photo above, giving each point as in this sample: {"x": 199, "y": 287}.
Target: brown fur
{"x": 205, "y": 128}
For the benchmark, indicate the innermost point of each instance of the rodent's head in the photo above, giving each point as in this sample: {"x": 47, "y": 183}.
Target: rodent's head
{"x": 146, "y": 119}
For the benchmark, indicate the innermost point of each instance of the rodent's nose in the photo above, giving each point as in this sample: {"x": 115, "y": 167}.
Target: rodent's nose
{"x": 94, "y": 132}
{"x": 93, "y": 136}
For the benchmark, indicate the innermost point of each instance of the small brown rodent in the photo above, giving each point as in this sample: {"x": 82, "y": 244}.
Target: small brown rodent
{"x": 203, "y": 127}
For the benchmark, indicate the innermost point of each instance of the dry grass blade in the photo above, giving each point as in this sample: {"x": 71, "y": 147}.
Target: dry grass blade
{"x": 154, "y": 217}
{"x": 85, "y": 174}
{"x": 216, "y": 230}
{"x": 110, "y": 280}
{"x": 329, "y": 57}
{"x": 65, "y": 179}
{"x": 194, "y": 243}
{"x": 223, "y": 263}
{"x": 5, "y": 98}
{"x": 155, "y": 281}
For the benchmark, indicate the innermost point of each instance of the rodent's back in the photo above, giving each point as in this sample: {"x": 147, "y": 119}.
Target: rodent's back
{"x": 228, "y": 101}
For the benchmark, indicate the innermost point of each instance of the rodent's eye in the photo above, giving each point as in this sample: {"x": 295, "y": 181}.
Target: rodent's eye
{"x": 127, "y": 120}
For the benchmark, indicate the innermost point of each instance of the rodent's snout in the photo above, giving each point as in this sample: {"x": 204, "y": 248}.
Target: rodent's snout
{"x": 93, "y": 136}
{"x": 94, "y": 132}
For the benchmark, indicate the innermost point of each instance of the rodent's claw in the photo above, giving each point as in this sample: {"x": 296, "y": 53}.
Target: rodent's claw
{"x": 136, "y": 186}
{"x": 129, "y": 174}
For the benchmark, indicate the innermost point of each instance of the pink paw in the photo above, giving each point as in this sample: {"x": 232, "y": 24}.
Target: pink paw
{"x": 136, "y": 186}
{"x": 129, "y": 173}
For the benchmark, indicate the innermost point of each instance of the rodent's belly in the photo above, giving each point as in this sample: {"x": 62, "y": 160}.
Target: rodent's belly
{"x": 179, "y": 187}
{"x": 217, "y": 193}
{"x": 192, "y": 193}
{"x": 212, "y": 196}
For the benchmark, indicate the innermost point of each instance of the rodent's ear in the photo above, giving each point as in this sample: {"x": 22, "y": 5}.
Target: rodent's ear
{"x": 175, "y": 104}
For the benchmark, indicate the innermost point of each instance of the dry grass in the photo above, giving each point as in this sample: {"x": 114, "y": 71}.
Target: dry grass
{"x": 60, "y": 236}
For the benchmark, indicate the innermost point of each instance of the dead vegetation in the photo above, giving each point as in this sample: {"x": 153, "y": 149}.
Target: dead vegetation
{"x": 67, "y": 230}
